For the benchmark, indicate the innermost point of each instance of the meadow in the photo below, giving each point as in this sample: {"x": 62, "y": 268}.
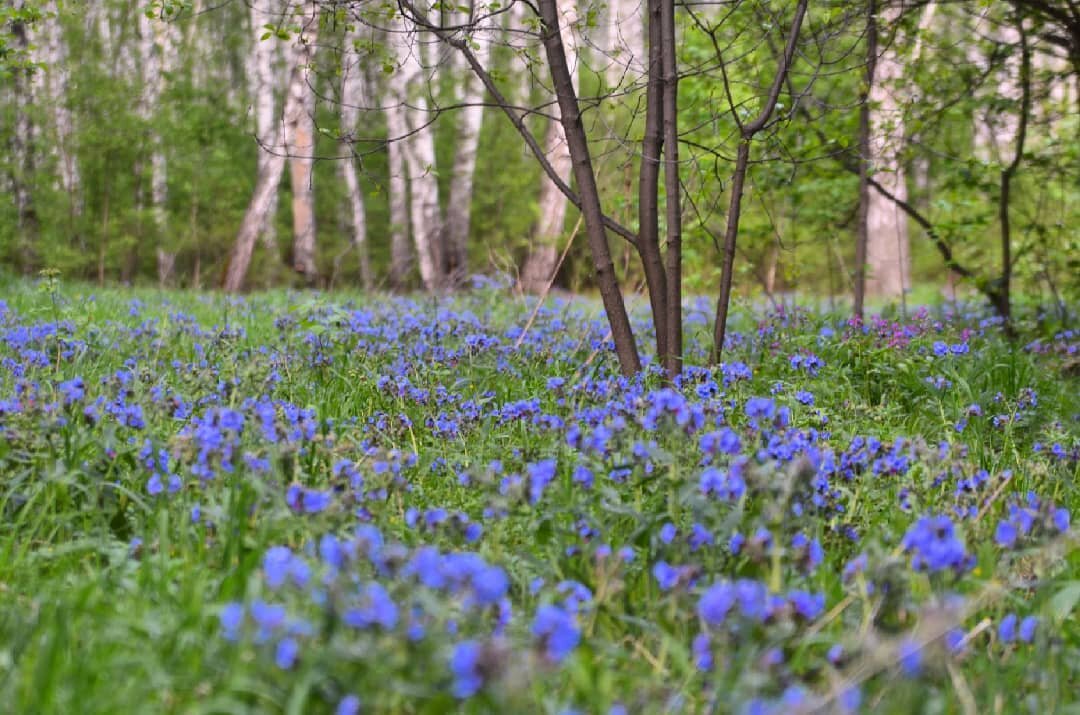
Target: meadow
{"x": 304, "y": 503}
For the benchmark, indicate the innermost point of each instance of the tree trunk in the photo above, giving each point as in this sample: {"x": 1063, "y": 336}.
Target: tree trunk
{"x": 400, "y": 251}
{"x": 649, "y": 184}
{"x": 539, "y": 267}
{"x": 269, "y": 171}
{"x": 262, "y": 82}
{"x": 300, "y": 143}
{"x": 55, "y": 75}
{"x": 22, "y": 150}
{"x": 470, "y": 120}
{"x": 157, "y": 56}
{"x": 862, "y": 235}
{"x": 570, "y": 117}
{"x": 888, "y": 258}
{"x": 747, "y": 132}
{"x": 672, "y": 190}
{"x": 352, "y": 99}
{"x": 625, "y": 46}
{"x": 425, "y": 213}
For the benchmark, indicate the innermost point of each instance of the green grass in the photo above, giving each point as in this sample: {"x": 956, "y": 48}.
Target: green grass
{"x": 111, "y": 595}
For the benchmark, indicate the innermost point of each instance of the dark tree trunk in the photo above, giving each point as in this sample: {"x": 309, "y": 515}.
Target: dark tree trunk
{"x": 673, "y": 191}
{"x": 570, "y": 113}
{"x": 738, "y": 181}
{"x": 649, "y": 183}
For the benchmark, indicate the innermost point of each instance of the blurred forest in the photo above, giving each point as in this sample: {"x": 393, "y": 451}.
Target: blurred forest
{"x": 249, "y": 144}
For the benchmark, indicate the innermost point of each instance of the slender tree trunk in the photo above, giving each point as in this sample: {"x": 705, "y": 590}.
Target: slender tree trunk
{"x": 413, "y": 128}
{"x": 672, "y": 190}
{"x": 570, "y": 116}
{"x": 543, "y": 257}
{"x": 300, "y": 143}
{"x": 470, "y": 120}
{"x": 863, "y": 220}
{"x": 55, "y": 76}
{"x": 262, "y": 81}
{"x": 400, "y": 250}
{"x": 156, "y": 57}
{"x": 352, "y": 99}
{"x": 22, "y": 148}
{"x": 270, "y": 170}
{"x": 1004, "y": 301}
{"x": 649, "y": 183}
{"x": 742, "y": 162}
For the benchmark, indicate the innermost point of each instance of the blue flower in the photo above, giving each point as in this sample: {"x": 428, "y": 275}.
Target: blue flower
{"x": 349, "y": 705}
{"x": 232, "y": 618}
{"x": 910, "y": 655}
{"x": 703, "y": 657}
{"x": 715, "y": 604}
{"x": 1061, "y": 519}
{"x": 465, "y": 666}
{"x": 1027, "y": 628}
{"x": 1007, "y": 628}
{"x": 934, "y": 546}
{"x": 1005, "y": 535}
{"x": 666, "y": 575}
{"x": 286, "y": 652}
{"x": 667, "y": 533}
{"x": 557, "y": 630}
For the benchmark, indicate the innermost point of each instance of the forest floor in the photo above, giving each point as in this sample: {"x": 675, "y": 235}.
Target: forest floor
{"x": 303, "y": 504}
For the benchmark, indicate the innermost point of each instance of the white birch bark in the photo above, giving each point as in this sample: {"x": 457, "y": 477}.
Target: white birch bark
{"x": 22, "y": 146}
{"x": 270, "y": 172}
{"x": 470, "y": 119}
{"x": 626, "y": 52}
{"x": 540, "y": 264}
{"x": 262, "y": 84}
{"x": 352, "y": 101}
{"x": 157, "y": 41}
{"x": 887, "y": 251}
{"x": 53, "y": 79}
{"x": 300, "y": 141}
{"x": 411, "y": 89}
{"x": 400, "y": 251}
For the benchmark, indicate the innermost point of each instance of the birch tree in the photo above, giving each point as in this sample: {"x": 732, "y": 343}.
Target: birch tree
{"x": 300, "y": 141}
{"x": 22, "y": 139}
{"x": 540, "y": 264}
{"x": 156, "y": 50}
{"x": 352, "y": 100}
{"x": 469, "y": 121}
{"x": 53, "y": 80}
{"x": 412, "y": 125}
{"x": 888, "y": 254}
{"x": 262, "y": 84}
{"x": 270, "y": 172}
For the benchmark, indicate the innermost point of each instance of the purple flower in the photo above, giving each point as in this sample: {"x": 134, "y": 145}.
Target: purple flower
{"x": 667, "y": 533}
{"x": 1061, "y": 519}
